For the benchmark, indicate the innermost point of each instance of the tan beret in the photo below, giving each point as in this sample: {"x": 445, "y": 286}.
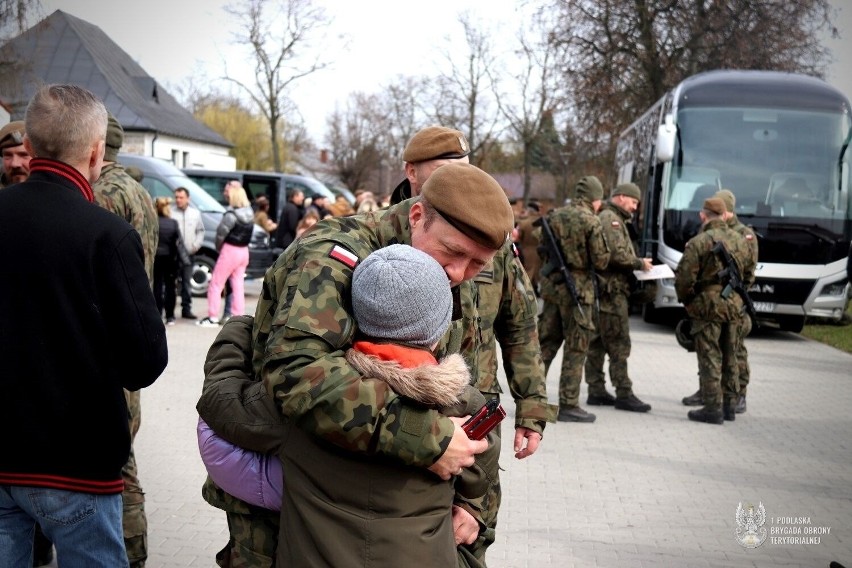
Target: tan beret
{"x": 12, "y": 134}
{"x": 727, "y": 196}
{"x": 436, "y": 143}
{"x": 589, "y": 187}
{"x": 715, "y": 205}
{"x": 471, "y": 201}
{"x": 628, "y": 189}
{"x": 114, "y": 138}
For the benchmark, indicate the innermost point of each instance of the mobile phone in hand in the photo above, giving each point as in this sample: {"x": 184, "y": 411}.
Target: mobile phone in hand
{"x": 486, "y": 418}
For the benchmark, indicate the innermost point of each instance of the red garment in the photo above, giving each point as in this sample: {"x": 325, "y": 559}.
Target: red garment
{"x": 407, "y": 357}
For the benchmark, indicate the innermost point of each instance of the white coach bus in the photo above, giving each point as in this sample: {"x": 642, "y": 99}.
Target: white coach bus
{"x": 780, "y": 142}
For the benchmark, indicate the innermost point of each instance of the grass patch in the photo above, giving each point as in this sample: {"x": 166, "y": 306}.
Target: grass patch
{"x": 838, "y": 335}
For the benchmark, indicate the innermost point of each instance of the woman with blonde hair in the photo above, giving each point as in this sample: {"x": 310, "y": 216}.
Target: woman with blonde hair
{"x": 232, "y": 239}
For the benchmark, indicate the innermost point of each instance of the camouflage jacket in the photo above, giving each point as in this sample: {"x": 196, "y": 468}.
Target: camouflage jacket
{"x": 584, "y": 248}
{"x": 303, "y": 326}
{"x": 748, "y": 234}
{"x": 116, "y": 191}
{"x": 697, "y": 283}
{"x": 616, "y": 278}
{"x": 507, "y": 311}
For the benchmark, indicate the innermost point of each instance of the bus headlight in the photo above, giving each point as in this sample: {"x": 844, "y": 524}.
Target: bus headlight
{"x": 834, "y": 289}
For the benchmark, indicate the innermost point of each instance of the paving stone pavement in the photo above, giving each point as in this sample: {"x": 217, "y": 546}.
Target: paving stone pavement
{"x": 630, "y": 490}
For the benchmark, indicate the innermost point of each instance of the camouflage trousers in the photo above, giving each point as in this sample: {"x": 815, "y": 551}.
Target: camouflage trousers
{"x": 576, "y": 329}
{"x": 716, "y": 347}
{"x": 743, "y": 370}
{"x": 611, "y": 338}
{"x": 253, "y": 530}
{"x": 134, "y": 520}
{"x": 473, "y": 555}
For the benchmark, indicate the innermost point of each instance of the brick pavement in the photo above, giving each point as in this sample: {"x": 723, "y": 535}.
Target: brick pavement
{"x": 627, "y": 491}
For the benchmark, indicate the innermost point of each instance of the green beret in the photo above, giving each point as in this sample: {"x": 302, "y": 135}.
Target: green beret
{"x": 114, "y": 139}
{"x": 471, "y": 201}
{"x": 12, "y": 134}
{"x": 628, "y": 189}
{"x": 589, "y": 187}
{"x": 715, "y": 205}
{"x": 436, "y": 143}
{"x": 727, "y": 196}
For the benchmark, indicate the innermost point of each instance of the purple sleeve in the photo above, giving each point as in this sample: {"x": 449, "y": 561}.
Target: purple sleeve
{"x": 251, "y": 476}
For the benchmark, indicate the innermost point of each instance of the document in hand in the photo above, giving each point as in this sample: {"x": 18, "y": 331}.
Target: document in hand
{"x": 657, "y": 272}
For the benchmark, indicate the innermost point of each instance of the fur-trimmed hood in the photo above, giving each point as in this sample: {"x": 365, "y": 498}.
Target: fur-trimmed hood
{"x": 438, "y": 385}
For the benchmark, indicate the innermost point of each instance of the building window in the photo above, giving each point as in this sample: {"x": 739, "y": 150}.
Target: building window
{"x": 175, "y": 155}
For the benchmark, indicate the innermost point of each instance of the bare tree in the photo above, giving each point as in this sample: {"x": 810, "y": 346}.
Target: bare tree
{"x": 622, "y": 56}
{"x": 540, "y": 92}
{"x": 14, "y": 18}
{"x": 353, "y": 137}
{"x": 464, "y": 98}
{"x": 281, "y": 36}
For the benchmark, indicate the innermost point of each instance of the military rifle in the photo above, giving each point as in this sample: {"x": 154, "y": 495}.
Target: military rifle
{"x": 732, "y": 279}
{"x": 554, "y": 253}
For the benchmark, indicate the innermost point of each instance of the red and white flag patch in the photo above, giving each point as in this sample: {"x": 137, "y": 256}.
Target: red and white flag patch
{"x": 616, "y": 224}
{"x": 341, "y": 254}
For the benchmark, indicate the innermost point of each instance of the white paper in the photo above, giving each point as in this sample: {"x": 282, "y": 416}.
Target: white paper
{"x": 657, "y": 272}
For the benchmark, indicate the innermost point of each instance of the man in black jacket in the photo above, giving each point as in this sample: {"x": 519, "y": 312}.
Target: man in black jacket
{"x": 78, "y": 323}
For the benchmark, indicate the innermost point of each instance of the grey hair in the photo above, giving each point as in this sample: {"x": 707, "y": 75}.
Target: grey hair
{"x": 63, "y": 122}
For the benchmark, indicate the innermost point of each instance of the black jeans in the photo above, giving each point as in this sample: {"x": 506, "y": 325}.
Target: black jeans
{"x": 185, "y": 287}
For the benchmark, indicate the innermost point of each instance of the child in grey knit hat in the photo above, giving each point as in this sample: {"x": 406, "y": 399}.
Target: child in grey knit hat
{"x": 403, "y": 305}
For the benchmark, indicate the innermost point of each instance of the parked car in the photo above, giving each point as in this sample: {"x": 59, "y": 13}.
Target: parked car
{"x": 161, "y": 178}
{"x": 275, "y": 186}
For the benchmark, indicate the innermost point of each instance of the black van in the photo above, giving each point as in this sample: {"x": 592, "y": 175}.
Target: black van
{"x": 161, "y": 178}
{"x": 275, "y": 186}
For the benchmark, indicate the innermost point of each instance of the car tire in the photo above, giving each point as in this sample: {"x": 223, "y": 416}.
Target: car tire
{"x": 202, "y": 273}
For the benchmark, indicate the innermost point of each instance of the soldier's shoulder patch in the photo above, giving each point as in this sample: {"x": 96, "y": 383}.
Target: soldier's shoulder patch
{"x": 749, "y": 236}
{"x": 515, "y": 250}
{"x": 615, "y": 224}
{"x": 340, "y": 254}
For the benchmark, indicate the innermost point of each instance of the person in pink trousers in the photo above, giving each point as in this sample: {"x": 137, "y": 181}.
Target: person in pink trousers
{"x": 232, "y": 239}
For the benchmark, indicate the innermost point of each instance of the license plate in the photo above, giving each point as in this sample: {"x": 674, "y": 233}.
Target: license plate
{"x": 764, "y": 307}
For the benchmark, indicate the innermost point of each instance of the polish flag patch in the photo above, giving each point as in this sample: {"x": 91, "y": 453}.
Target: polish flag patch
{"x": 616, "y": 224}
{"x": 749, "y": 237}
{"x": 341, "y": 254}
{"x": 515, "y": 250}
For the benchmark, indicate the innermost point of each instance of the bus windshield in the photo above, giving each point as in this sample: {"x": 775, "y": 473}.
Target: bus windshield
{"x": 778, "y": 162}
{"x": 784, "y": 167}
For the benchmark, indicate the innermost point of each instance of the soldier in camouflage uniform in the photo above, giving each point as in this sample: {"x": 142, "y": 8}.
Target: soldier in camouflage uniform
{"x": 297, "y": 356}
{"x": 116, "y": 191}
{"x": 612, "y": 336}
{"x": 16, "y": 159}
{"x": 745, "y": 324}
{"x": 578, "y": 231}
{"x": 714, "y": 317}
{"x": 505, "y": 300}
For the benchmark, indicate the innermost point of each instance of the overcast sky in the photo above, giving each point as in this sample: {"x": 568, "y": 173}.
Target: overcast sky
{"x": 178, "y": 39}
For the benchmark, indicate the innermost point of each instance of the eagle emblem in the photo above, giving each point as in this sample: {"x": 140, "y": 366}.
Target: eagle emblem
{"x": 750, "y": 531}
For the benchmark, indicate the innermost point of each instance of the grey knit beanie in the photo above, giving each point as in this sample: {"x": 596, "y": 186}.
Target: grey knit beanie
{"x": 403, "y": 295}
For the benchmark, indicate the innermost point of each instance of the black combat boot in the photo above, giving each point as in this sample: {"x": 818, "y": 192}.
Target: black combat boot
{"x": 602, "y": 399}
{"x": 729, "y": 406}
{"x": 710, "y": 416}
{"x": 693, "y": 399}
{"x": 631, "y": 403}
{"x": 741, "y": 404}
{"x": 574, "y": 414}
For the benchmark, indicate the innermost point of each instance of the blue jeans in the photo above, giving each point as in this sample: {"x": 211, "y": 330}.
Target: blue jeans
{"x": 84, "y": 527}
